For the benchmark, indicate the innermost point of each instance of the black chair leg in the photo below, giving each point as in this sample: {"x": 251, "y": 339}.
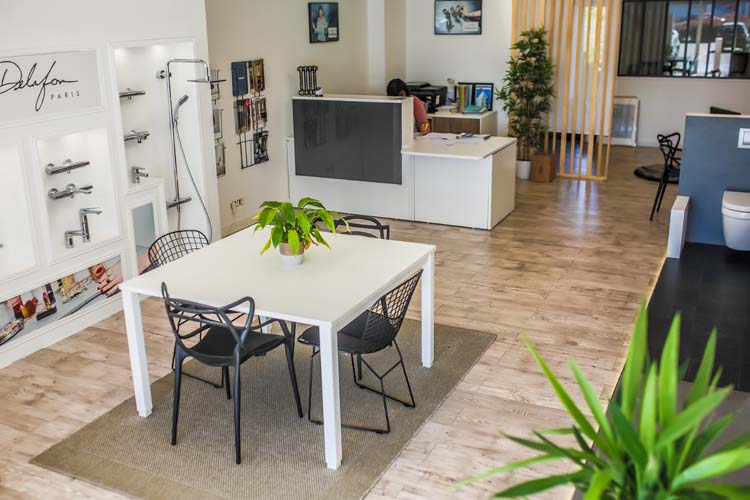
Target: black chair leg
{"x": 293, "y": 376}
{"x": 176, "y": 400}
{"x": 663, "y": 190}
{"x": 289, "y": 349}
{"x": 225, "y": 380}
{"x": 406, "y": 377}
{"x": 359, "y": 367}
{"x": 656, "y": 200}
{"x": 237, "y": 400}
{"x": 309, "y": 387}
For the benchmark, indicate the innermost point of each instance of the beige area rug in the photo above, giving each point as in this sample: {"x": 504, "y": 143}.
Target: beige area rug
{"x": 282, "y": 455}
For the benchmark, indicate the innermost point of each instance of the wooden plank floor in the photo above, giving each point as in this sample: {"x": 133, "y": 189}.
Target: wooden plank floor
{"x": 569, "y": 269}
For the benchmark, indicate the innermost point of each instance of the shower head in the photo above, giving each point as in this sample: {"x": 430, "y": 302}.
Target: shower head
{"x": 182, "y": 100}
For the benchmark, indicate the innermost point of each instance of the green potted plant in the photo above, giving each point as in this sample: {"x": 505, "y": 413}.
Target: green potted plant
{"x": 294, "y": 229}
{"x": 648, "y": 445}
{"x": 526, "y": 94}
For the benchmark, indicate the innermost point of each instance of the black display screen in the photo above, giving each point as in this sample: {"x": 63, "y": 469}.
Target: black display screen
{"x": 352, "y": 140}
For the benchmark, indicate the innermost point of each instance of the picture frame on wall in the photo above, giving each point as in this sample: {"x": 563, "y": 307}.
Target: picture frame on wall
{"x": 323, "y": 21}
{"x": 458, "y": 17}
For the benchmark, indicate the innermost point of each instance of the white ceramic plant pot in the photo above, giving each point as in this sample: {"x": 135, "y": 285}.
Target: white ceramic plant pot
{"x": 523, "y": 169}
{"x": 288, "y": 258}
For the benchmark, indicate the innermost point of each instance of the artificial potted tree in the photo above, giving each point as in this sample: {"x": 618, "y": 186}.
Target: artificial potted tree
{"x": 650, "y": 443}
{"x": 526, "y": 94}
{"x": 294, "y": 229}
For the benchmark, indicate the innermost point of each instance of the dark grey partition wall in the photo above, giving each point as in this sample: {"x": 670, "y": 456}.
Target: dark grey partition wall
{"x": 352, "y": 140}
{"x": 712, "y": 164}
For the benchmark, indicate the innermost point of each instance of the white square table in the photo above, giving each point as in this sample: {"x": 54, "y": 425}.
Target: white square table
{"x": 330, "y": 289}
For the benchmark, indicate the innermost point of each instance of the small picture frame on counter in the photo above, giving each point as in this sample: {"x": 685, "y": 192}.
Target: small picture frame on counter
{"x": 484, "y": 95}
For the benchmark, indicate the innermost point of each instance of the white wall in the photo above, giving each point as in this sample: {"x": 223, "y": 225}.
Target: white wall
{"x": 666, "y": 101}
{"x": 33, "y": 25}
{"x": 469, "y": 58}
{"x": 236, "y": 32}
{"x": 41, "y": 26}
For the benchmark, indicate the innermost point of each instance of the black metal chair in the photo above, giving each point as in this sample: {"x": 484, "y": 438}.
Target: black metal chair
{"x": 367, "y": 226}
{"x": 223, "y": 345}
{"x": 371, "y": 332}
{"x": 669, "y": 145}
{"x": 175, "y": 245}
{"x": 364, "y": 225}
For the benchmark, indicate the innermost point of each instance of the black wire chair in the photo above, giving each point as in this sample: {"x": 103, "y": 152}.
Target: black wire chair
{"x": 223, "y": 345}
{"x": 175, "y": 245}
{"x": 371, "y": 332}
{"x": 669, "y": 145}
{"x": 370, "y": 227}
{"x": 364, "y": 225}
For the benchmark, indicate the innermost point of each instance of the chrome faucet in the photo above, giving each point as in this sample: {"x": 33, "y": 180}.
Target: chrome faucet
{"x": 137, "y": 135}
{"x": 136, "y": 173}
{"x": 84, "y": 232}
{"x": 69, "y": 192}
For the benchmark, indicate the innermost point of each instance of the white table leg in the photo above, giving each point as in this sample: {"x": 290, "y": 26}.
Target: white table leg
{"x": 137, "y": 347}
{"x": 329, "y": 371}
{"x": 428, "y": 311}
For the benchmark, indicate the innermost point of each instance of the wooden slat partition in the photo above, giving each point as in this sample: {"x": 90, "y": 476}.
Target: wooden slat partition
{"x": 584, "y": 38}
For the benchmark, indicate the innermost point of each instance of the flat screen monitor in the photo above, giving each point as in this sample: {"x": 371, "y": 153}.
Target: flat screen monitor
{"x": 351, "y": 140}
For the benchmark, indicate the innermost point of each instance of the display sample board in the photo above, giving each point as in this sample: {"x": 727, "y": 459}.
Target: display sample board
{"x": 45, "y": 84}
{"x": 351, "y": 140}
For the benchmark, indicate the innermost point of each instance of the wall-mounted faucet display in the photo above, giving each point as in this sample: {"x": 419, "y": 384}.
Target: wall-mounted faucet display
{"x": 69, "y": 192}
{"x": 137, "y": 135}
{"x": 66, "y": 166}
{"x": 84, "y": 233}
{"x": 136, "y": 173}
{"x": 129, "y": 93}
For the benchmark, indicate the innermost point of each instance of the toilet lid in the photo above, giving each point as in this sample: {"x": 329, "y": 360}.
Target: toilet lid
{"x": 739, "y": 202}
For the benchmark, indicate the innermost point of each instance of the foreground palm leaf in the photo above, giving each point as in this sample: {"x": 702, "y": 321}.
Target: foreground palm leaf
{"x": 648, "y": 446}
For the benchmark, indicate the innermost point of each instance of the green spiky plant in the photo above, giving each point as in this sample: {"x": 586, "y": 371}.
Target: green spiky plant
{"x": 296, "y": 226}
{"x": 527, "y": 91}
{"x": 648, "y": 445}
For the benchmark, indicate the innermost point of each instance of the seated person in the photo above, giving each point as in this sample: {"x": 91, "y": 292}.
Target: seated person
{"x": 397, "y": 87}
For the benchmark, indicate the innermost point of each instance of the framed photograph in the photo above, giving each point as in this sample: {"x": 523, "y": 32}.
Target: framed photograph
{"x": 484, "y": 95}
{"x": 221, "y": 166}
{"x": 323, "y": 21}
{"x": 218, "y": 132}
{"x": 458, "y": 17}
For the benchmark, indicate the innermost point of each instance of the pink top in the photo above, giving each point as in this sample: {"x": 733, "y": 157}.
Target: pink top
{"x": 420, "y": 113}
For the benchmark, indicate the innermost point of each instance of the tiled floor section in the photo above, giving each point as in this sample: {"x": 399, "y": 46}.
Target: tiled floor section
{"x": 710, "y": 287}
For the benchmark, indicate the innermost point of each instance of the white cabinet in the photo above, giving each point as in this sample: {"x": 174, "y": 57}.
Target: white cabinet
{"x": 17, "y": 254}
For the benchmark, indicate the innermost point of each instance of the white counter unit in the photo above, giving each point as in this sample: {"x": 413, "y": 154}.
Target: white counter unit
{"x": 467, "y": 182}
{"x": 464, "y": 183}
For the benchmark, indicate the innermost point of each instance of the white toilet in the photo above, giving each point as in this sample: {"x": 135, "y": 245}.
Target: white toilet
{"x": 735, "y": 211}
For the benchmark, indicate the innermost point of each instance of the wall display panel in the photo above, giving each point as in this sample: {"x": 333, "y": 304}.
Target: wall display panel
{"x": 80, "y": 203}
{"x": 42, "y": 306}
{"x": 17, "y": 253}
{"x": 37, "y": 86}
{"x": 356, "y": 141}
